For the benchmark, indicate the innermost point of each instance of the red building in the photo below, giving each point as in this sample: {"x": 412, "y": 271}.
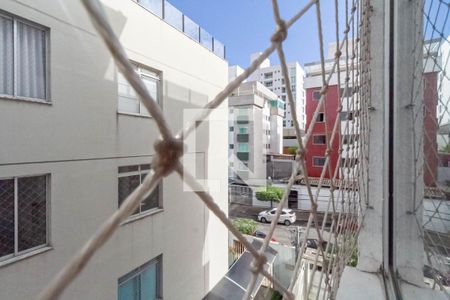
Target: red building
{"x": 316, "y": 145}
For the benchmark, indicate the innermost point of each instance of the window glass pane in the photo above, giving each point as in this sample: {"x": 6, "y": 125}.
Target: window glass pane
{"x": 145, "y": 167}
{"x": 129, "y": 290}
{"x": 126, "y": 169}
{"x": 32, "y": 210}
{"x": 155, "y": 6}
{"x": 152, "y": 201}
{"x": 6, "y": 217}
{"x": 152, "y": 87}
{"x": 149, "y": 283}
{"x": 191, "y": 29}
{"x": 173, "y": 16}
{"x": 127, "y": 185}
{"x": 6, "y": 56}
{"x": 243, "y": 147}
{"x": 128, "y": 101}
{"x": 31, "y": 56}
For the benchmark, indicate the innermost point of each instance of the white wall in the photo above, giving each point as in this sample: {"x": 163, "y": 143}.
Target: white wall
{"x": 81, "y": 140}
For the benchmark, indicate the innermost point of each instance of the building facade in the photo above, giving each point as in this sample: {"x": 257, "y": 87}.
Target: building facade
{"x": 271, "y": 76}
{"x": 349, "y": 118}
{"x": 76, "y": 141}
{"x": 255, "y": 129}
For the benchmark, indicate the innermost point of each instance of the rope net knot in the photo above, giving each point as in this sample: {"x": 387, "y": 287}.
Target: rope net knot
{"x": 168, "y": 152}
{"x": 281, "y": 33}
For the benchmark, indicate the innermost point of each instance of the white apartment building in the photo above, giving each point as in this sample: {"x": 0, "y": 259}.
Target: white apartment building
{"x": 76, "y": 141}
{"x": 255, "y": 129}
{"x": 272, "y": 77}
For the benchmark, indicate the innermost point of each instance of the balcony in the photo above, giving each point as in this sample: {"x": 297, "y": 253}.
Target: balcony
{"x": 243, "y": 156}
{"x": 242, "y": 138}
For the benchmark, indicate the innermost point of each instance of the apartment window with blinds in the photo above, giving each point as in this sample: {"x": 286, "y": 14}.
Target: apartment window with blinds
{"x": 23, "y": 215}
{"x": 143, "y": 283}
{"x": 129, "y": 102}
{"x": 130, "y": 177}
{"x": 23, "y": 59}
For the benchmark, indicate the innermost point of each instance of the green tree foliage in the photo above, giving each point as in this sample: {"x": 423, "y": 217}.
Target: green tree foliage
{"x": 270, "y": 193}
{"x": 446, "y": 148}
{"x": 292, "y": 150}
{"x": 245, "y": 226}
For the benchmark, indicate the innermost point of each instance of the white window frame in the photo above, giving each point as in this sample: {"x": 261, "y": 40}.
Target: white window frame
{"x": 143, "y": 71}
{"x": 140, "y": 171}
{"x": 158, "y": 261}
{"x": 17, "y": 253}
{"x": 15, "y": 19}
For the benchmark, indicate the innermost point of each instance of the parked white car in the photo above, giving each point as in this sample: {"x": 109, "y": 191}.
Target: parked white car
{"x": 287, "y": 216}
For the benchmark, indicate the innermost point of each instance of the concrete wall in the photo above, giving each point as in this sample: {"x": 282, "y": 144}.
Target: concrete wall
{"x": 80, "y": 140}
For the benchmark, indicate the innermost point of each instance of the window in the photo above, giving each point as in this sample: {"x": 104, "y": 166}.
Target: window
{"x": 23, "y": 214}
{"x": 284, "y": 122}
{"x": 268, "y": 75}
{"x": 319, "y": 139}
{"x": 243, "y": 147}
{"x": 143, "y": 283}
{"x": 318, "y": 161}
{"x": 320, "y": 117}
{"x": 130, "y": 177}
{"x": 231, "y": 128}
{"x": 316, "y": 95}
{"x": 343, "y": 115}
{"x": 128, "y": 100}
{"x": 283, "y": 90}
{"x": 243, "y": 130}
{"x": 23, "y": 63}
{"x": 268, "y": 83}
{"x": 231, "y": 146}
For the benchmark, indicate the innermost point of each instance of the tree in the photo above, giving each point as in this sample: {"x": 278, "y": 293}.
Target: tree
{"x": 245, "y": 226}
{"x": 446, "y": 148}
{"x": 292, "y": 150}
{"x": 270, "y": 193}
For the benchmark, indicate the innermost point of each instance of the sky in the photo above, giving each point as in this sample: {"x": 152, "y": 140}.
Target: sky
{"x": 245, "y": 27}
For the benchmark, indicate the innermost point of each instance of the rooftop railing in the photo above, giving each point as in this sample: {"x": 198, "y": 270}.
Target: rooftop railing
{"x": 174, "y": 17}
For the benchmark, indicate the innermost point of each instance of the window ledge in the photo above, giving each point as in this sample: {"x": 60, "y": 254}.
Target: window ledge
{"x": 134, "y": 115}
{"x": 24, "y": 99}
{"x": 24, "y": 256}
{"x": 142, "y": 215}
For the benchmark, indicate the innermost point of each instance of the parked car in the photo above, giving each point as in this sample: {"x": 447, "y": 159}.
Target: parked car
{"x": 287, "y": 216}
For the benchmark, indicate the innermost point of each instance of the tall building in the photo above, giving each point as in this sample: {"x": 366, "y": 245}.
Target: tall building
{"x": 273, "y": 79}
{"x": 255, "y": 129}
{"x": 349, "y": 117}
{"x": 76, "y": 141}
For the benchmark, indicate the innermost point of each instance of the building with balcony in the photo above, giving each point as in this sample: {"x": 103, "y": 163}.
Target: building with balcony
{"x": 272, "y": 78}
{"x": 255, "y": 129}
{"x": 76, "y": 141}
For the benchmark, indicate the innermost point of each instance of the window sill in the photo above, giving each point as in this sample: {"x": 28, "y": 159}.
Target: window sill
{"x": 142, "y": 215}
{"x": 24, "y": 256}
{"x": 24, "y": 99}
{"x": 134, "y": 115}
